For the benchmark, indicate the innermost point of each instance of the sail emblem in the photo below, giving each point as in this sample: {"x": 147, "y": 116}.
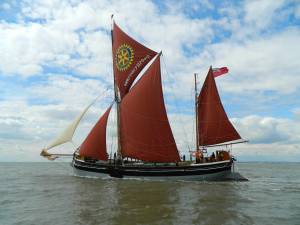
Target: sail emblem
{"x": 124, "y": 57}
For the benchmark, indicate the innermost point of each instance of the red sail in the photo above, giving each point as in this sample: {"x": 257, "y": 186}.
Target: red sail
{"x": 129, "y": 58}
{"x": 213, "y": 123}
{"x": 146, "y": 132}
{"x": 94, "y": 145}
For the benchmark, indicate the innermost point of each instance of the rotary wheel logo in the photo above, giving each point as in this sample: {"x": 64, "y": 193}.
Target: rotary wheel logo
{"x": 124, "y": 57}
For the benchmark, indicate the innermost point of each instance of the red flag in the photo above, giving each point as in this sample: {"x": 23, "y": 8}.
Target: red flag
{"x": 219, "y": 71}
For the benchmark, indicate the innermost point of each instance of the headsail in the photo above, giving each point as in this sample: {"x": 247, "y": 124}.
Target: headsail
{"x": 213, "y": 123}
{"x": 94, "y": 145}
{"x": 146, "y": 132}
{"x": 129, "y": 58}
{"x": 68, "y": 133}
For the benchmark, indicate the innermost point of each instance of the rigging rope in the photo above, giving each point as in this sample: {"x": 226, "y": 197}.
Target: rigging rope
{"x": 170, "y": 78}
{"x": 103, "y": 94}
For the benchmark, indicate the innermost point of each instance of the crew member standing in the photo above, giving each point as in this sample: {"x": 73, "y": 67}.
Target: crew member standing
{"x": 199, "y": 156}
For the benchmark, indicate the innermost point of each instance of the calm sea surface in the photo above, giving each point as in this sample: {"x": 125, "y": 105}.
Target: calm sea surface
{"x": 48, "y": 193}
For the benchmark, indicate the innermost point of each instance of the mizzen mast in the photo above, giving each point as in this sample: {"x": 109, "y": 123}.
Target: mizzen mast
{"x": 196, "y": 112}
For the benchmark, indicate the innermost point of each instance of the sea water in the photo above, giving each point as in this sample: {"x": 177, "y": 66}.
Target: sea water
{"x": 48, "y": 193}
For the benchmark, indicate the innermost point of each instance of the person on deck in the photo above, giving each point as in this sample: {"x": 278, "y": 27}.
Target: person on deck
{"x": 115, "y": 156}
{"x": 213, "y": 157}
{"x": 199, "y": 156}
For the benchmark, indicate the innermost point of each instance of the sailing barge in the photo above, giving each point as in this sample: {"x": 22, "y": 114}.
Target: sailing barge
{"x": 146, "y": 145}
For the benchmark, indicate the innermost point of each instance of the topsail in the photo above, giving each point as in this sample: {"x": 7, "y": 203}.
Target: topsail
{"x": 129, "y": 58}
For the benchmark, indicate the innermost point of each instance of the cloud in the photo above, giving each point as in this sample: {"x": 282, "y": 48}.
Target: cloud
{"x": 27, "y": 48}
{"x": 262, "y": 60}
{"x": 261, "y": 13}
{"x": 264, "y": 130}
{"x": 269, "y": 138}
{"x": 56, "y": 58}
{"x": 65, "y": 89}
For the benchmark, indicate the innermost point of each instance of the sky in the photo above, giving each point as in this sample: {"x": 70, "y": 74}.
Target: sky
{"x": 55, "y": 59}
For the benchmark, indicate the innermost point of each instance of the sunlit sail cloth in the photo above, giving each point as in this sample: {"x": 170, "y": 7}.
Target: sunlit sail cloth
{"x": 129, "y": 58}
{"x": 94, "y": 146}
{"x": 68, "y": 133}
{"x": 214, "y": 125}
{"x": 146, "y": 132}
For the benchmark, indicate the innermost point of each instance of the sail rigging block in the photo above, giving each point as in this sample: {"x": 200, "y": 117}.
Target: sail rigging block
{"x": 145, "y": 130}
{"x": 213, "y": 123}
{"x": 94, "y": 145}
{"x": 129, "y": 58}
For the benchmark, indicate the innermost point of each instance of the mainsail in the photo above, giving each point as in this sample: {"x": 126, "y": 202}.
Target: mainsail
{"x": 68, "y": 133}
{"x": 213, "y": 124}
{"x": 94, "y": 145}
{"x": 146, "y": 132}
{"x": 129, "y": 58}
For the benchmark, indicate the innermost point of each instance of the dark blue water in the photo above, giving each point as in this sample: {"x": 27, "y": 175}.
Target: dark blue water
{"x": 48, "y": 193}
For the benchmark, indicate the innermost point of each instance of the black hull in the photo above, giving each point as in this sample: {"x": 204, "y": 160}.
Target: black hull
{"x": 204, "y": 171}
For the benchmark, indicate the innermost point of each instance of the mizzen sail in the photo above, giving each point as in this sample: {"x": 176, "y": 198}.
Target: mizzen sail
{"x": 213, "y": 124}
{"x": 94, "y": 145}
{"x": 129, "y": 58}
{"x": 146, "y": 132}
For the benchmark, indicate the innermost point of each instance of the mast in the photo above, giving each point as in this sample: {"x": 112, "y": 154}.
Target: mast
{"x": 117, "y": 100}
{"x": 119, "y": 153}
{"x": 129, "y": 59}
{"x": 196, "y": 113}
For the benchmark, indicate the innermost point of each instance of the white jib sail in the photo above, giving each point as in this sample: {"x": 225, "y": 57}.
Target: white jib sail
{"x": 68, "y": 133}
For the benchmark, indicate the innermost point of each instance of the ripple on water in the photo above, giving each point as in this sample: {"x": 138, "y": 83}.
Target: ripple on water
{"x": 47, "y": 194}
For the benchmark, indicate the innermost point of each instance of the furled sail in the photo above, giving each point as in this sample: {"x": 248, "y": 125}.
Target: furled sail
{"x": 68, "y": 133}
{"x": 94, "y": 145}
{"x": 213, "y": 123}
{"x": 129, "y": 58}
{"x": 145, "y": 130}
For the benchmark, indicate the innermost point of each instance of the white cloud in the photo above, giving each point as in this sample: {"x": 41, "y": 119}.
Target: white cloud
{"x": 257, "y": 64}
{"x": 264, "y": 130}
{"x": 26, "y": 48}
{"x": 74, "y": 37}
{"x": 269, "y": 138}
{"x": 69, "y": 90}
{"x": 95, "y": 56}
{"x": 261, "y": 13}
{"x": 31, "y": 127}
